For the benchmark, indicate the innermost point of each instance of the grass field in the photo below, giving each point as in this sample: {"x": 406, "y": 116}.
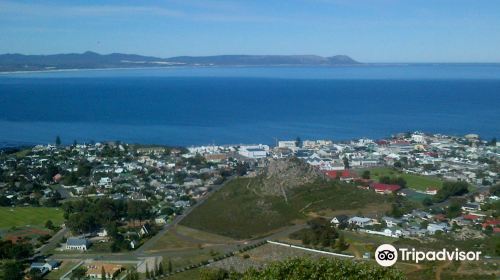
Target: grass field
{"x": 202, "y": 235}
{"x": 66, "y": 265}
{"x": 29, "y": 216}
{"x": 416, "y": 182}
{"x": 240, "y": 211}
{"x": 169, "y": 241}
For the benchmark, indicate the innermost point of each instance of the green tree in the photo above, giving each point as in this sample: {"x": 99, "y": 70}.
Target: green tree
{"x": 170, "y": 267}
{"x": 78, "y": 273}
{"x": 346, "y": 162}
{"x": 103, "y": 273}
{"x": 132, "y": 275}
{"x": 454, "y": 210}
{"x": 366, "y": 174}
{"x": 49, "y": 224}
{"x": 35, "y": 274}
{"x": 148, "y": 274}
{"x": 427, "y": 201}
{"x": 424, "y": 224}
{"x": 13, "y": 270}
{"x": 58, "y": 141}
{"x": 298, "y": 142}
{"x": 341, "y": 244}
{"x": 160, "y": 269}
{"x": 493, "y": 141}
{"x": 304, "y": 268}
{"x": 451, "y": 189}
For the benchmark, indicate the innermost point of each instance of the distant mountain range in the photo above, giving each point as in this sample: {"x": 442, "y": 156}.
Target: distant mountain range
{"x": 92, "y": 60}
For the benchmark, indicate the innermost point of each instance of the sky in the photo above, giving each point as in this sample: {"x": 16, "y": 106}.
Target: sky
{"x": 366, "y": 30}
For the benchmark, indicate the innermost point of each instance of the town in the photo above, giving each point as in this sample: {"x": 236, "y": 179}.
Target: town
{"x": 116, "y": 197}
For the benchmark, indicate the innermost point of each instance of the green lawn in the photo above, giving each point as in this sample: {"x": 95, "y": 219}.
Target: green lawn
{"x": 29, "y": 216}
{"x": 417, "y": 182}
{"x": 241, "y": 211}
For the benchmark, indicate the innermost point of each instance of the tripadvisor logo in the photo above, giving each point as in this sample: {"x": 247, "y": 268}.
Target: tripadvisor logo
{"x": 387, "y": 255}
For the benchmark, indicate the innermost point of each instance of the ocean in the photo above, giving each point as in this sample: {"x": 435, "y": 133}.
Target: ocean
{"x": 232, "y": 105}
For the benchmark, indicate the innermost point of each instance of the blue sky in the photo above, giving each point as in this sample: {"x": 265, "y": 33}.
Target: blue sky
{"x": 369, "y": 30}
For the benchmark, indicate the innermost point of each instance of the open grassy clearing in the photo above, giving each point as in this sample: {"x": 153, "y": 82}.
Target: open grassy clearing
{"x": 240, "y": 211}
{"x": 170, "y": 241}
{"x": 417, "y": 182}
{"x": 190, "y": 274}
{"x": 66, "y": 265}
{"x": 29, "y": 216}
{"x": 207, "y": 237}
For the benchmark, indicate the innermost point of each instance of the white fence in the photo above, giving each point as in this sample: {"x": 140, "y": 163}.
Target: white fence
{"x": 310, "y": 250}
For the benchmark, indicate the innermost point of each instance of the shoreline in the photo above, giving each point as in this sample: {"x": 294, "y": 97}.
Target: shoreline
{"x": 4, "y": 73}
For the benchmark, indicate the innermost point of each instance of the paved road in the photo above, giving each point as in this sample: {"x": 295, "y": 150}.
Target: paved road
{"x": 53, "y": 242}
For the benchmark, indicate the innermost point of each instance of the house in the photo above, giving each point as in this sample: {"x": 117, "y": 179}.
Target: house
{"x": 431, "y": 191}
{"x": 215, "y": 157}
{"x": 145, "y": 230}
{"x": 340, "y": 219}
{"x": 102, "y": 233}
{"x": 493, "y": 223}
{"x": 45, "y": 267}
{"x": 40, "y": 268}
{"x": 385, "y": 188}
{"x": 433, "y": 228}
{"x": 255, "y": 152}
{"x": 360, "y": 221}
{"x": 160, "y": 220}
{"x": 472, "y": 218}
{"x": 75, "y": 243}
{"x": 95, "y": 269}
{"x": 421, "y": 214}
{"x": 471, "y": 206}
{"x": 343, "y": 175}
{"x": 133, "y": 244}
{"x": 460, "y": 221}
{"x": 105, "y": 182}
{"x": 391, "y": 222}
{"x": 292, "y": 145}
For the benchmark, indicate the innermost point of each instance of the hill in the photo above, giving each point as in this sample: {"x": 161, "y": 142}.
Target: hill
{"x": 254, "y": 207}
{"x": 92, "y": 60}
{"x": 263, "y": 60}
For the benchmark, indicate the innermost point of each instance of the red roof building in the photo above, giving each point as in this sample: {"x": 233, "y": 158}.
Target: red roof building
{"x": 342, "y": 174}
{"x": 492, "y": 223}
{"x": 385, "y": 188}
{"x": 470, "y": 217}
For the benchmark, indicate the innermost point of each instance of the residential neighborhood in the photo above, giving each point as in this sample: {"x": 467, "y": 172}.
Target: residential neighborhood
{"x": 116, "y": 197}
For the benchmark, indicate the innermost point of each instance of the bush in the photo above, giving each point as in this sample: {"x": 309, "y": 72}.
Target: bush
{"x": 328, "y": 269}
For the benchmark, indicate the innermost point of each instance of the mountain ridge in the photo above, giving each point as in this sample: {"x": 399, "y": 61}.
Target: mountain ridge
{"x": 12, "y": 62}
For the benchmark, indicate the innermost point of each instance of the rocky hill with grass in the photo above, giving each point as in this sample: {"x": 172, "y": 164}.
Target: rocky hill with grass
{"x": 286, "y": 192}
{"x": 283, "y": 175}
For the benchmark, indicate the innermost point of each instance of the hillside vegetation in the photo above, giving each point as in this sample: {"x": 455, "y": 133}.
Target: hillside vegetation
{"x": 305, "y": 268}
{"x": 253, "y": 207}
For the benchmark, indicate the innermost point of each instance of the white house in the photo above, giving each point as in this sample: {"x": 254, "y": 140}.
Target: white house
{"x": 340, "y": 219}
{"x": 360, "y": 221}
{"x": 104, "y": 182}
{"x": 255, "y": 152}
{"x": 418, "y": 138}
{"x": 102, "y": 233}
{"x": 292, "y": 145}
{"x": 74, "y": 243}
{"x": 433, "y": 228}
{"x": 160, "y": 220}
{"x": 391, "y": 222}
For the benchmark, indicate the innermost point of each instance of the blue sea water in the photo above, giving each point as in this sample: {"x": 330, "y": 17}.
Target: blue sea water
{"x": 230, "y": 105}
